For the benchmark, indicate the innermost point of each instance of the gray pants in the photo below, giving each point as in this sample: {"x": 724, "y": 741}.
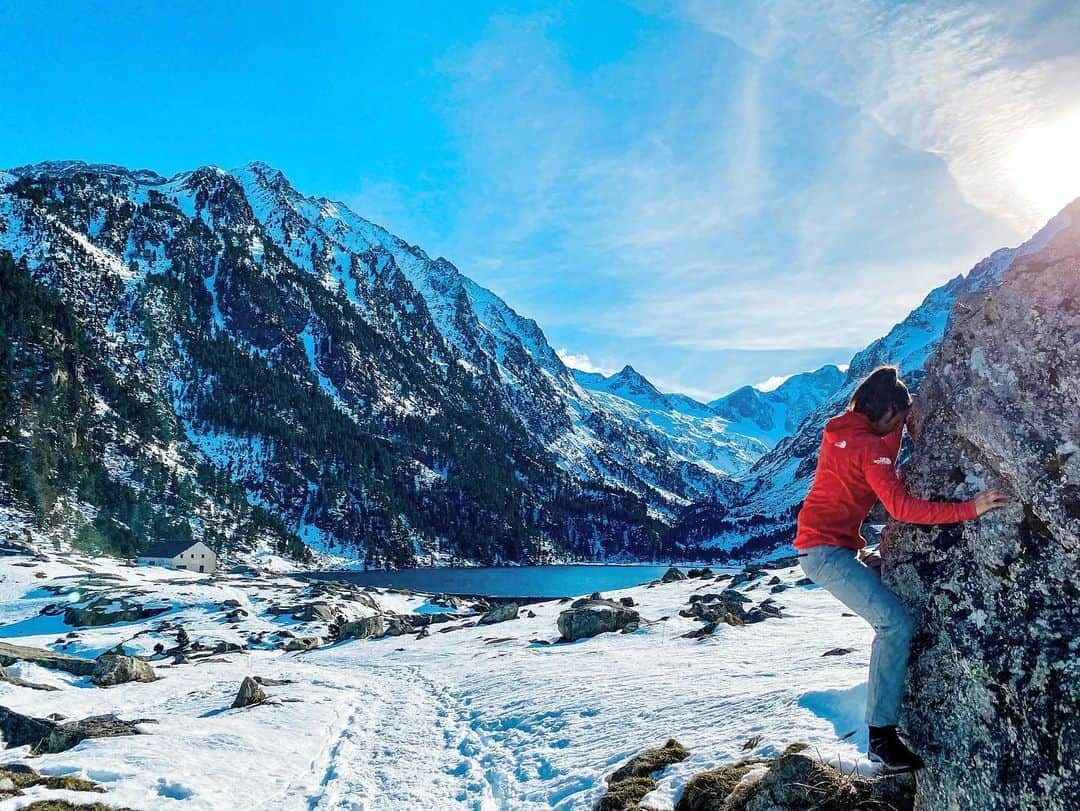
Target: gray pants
{"x": 859, "y": 587}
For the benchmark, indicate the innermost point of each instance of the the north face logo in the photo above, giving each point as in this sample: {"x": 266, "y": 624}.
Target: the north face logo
{"x": 883, "y": 460}
{"x": 841, "y": 444}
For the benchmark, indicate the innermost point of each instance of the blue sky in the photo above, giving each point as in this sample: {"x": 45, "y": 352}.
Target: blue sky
{"x": 715, "y": 193}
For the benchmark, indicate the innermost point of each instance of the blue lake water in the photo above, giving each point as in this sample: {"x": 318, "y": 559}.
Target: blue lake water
{"x": 505, "y": 581}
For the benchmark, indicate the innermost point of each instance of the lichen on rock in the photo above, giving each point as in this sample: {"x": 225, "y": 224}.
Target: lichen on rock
{"x": 994, "y": 688}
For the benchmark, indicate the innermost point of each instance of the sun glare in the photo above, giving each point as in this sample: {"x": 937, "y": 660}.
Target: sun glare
{"x": 1046, "y": 165}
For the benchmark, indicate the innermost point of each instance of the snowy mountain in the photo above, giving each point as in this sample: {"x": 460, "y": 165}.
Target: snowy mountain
{"x": 493, "y": 341}
{"x": 761, "y": 514}
{"x": 690, "y": 429}
{"x": 342, "y": 385}
{"x": 775, "y": 414}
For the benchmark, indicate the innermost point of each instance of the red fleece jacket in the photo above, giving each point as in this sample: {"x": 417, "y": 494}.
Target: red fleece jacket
{"x": 855, "y": 468}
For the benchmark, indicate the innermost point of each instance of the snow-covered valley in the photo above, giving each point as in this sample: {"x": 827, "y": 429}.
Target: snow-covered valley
{"x": 460, "y": 715}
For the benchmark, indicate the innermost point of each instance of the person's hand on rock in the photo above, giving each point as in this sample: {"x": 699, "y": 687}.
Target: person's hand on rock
{"x": 911, "y": 426}
{"x": 992, "y": 499}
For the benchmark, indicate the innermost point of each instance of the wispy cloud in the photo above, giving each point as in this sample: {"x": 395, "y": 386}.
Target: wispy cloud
{"x": 731, "y": 210}
{"x": 743, "y": 177}
{"x": 666, "y": 385}
{"x": 581, "y": 361}
{"x": 960, "y": 80}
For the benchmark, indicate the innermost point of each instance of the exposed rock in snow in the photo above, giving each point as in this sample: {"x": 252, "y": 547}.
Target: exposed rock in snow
{"x": 724, "y": 607}
{"x": 15, "y": 777}
{"x": 105, "y": 610}
{"x": 994, "y": 691}
{"x": 77, "y": 665}
{"x": 792, "y": 782}
{"x": 315, "y": 612}
{"x": 113, "y": 668}
{"x": 43, "y": 735}
{"x": 672, "y": 574}
{"x": 594, "y": 617}
{"x": 500, "y": 613}
{"x": 301, "y": 643}
{"x": 634, "y": 779}
{"x": 250, "y": 693}
{"x": 364, "y": 627}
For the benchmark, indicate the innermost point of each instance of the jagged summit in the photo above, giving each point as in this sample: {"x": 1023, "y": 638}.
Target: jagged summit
{"x": 633, "y": 384}
{"x": 265, "y": 169}
{"x": 989, "y": 271}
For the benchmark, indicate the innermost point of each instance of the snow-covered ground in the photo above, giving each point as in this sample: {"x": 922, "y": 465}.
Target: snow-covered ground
{"x": 480, "y": 718}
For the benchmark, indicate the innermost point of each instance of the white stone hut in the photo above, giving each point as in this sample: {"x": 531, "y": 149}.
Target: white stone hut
{"x": 194, "y": 556}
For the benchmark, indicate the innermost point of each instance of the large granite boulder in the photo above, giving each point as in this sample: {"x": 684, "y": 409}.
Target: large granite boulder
{"x": 398, "y": 624}
{"x": 112, "y": 668}
{"x": 672, "y": 575}
{"x": 314, "y": 612}
{"x": 994, "y": 688}
{"x": 500, "y": 613}
{"x": 596, "y": 617}
{"x": 249, "y": 694}
{"x": 373, "y": 626}
{"x": 302, "y": 643}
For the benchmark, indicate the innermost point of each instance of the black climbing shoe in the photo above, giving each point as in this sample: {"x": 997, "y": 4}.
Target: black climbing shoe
{"x": 887, "y": 749}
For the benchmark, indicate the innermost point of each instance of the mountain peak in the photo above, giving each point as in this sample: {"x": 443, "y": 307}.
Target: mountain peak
{"x": 266, "y": 173}
{"x": 262, "y": 167}
{"x": 267, "y": 176}
{"x": 629, "y": 384}
{"x": 629, "y": 376}
{"x": 829, "y": 376}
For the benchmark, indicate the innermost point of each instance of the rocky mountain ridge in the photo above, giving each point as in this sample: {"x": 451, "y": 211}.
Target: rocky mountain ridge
{"x": 374, "y": 401}
{"x": 286, "y": 346}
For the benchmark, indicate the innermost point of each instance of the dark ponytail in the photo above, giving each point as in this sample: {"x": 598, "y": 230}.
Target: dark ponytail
{"x": 881, "y": 391}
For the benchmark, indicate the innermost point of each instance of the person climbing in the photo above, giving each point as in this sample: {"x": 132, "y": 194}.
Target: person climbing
{"x": 855, "y": 468}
